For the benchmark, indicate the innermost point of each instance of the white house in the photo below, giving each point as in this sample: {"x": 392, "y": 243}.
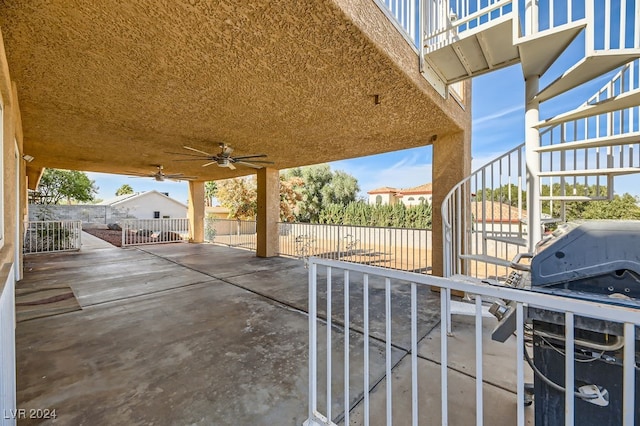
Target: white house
{"x": 148, "y": 205}
{"x": 408, "y": 196}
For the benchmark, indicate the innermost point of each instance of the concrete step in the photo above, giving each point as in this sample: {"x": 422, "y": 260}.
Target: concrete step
{"x": 586, "y": 70}
{"x": 592, "y": 172}
{"x": 616, "y": 103}
{"x": 572, "y": 198}
{"x": 476, "y": 51}
{"x": 623, "y": 139}
{"x": 539, "y": 51}
{"x": 518, "y": 241}
{"x": 487, "y": 259}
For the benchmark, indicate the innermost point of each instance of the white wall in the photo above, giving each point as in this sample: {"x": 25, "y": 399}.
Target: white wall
{"x": 143, "y": 207}
{"x": 414, "y": 200}
{"x": 386, "y": 198}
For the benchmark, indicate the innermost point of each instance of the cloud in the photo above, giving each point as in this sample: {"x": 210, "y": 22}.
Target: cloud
{"x": 498, "y": 114}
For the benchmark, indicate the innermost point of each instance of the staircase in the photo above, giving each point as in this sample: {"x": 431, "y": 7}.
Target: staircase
{"x": 502, "y": 208}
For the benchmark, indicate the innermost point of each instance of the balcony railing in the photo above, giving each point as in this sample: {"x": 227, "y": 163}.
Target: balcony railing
{"x": 358, "y": 285}
{"x": 52, "y": 236}
{"x": 231, "y": 232}
{"x": 407, "y": 249}
{"x": 154, "y": 231}
{"x": 405, "y": 15}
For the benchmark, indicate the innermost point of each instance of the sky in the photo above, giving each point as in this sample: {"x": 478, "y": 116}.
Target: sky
{"x": 498, "y": 126}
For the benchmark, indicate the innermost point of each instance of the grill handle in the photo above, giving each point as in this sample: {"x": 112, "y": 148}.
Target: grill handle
{"x": 515, "y": 263}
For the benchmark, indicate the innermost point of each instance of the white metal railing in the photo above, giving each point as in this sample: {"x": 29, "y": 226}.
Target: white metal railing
{"x": 52, "y": 236}
{"x": 329, "y": 403}
{"x": 484, "y": 218}
{"x": 154, "y": 231}
{"x": 231, "y": 232}
{"x": 8, "y": 349}
{"x": 445, "y": 20}
{"x": 605, "y": 140}
{"x": 546, "y": 15}
{"x": 616, "y": 25}
{"x": 404, "y": 14}
{"x": 407, "y": 249}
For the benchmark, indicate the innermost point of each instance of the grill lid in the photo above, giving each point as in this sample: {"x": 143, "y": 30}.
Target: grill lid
{"x": 597, "y": 256}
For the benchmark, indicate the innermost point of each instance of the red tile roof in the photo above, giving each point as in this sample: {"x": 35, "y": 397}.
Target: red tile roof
{"x": 497, "y": 212}
{"x": 383, "y": 190}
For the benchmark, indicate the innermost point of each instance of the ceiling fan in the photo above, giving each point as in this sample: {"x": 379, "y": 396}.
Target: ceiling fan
{"x": 224, "y": 157}
{"x": 161, "y": 176}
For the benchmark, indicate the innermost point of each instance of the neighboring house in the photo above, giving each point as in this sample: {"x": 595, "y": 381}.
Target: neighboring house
{"x": 217, "y": 212}
{"x": 148, "y": 205}
{"x": 499, "y": 218}
{"x": 408, "y": 196}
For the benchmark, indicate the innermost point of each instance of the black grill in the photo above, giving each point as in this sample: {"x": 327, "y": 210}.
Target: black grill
{"x": 597, "y": 261}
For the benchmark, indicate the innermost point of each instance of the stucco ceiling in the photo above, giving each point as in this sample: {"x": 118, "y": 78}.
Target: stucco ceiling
{"x": 111, "y": 86}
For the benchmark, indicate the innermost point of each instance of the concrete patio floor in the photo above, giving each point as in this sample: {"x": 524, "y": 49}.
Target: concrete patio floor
{"x": 203, "y": 334}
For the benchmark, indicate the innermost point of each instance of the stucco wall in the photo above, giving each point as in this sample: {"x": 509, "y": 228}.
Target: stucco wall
{"x": 143, "y": 207}
{"x": 85, "y": 213}
{"x": 138, "y": 208}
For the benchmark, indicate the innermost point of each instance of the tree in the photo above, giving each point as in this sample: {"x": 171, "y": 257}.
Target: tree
{"x": 621, "y": 207}
{"x": 210, "y": 191}
{"x": 290, "y": 196}
{"x": 342, "y": 189}
{"x": 507, "y": 194}
{"x": 56, "y": 185}
{"x": 124, "y": 190}
{"x": 321, "y": 187}
{"x": 239, "y": 196}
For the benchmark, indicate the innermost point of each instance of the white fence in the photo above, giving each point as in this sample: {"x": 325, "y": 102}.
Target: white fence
{"x": 52, "y": 236}
{"x": 407, "y": 249}
{"x": 7, "y": 349}
{"x": 154, "y": 231}
{"x": 362, "y": 283}
{"x": 231, "y": 232}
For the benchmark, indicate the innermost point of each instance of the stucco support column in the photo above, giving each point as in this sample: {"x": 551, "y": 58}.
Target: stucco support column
{"x": 196, "y": 212}
{"x": 451, "y": 164}
{"x": 268, "y": 212}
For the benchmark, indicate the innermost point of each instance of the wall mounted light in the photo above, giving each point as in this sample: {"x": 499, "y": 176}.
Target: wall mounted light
{"x": 28, "y": 158}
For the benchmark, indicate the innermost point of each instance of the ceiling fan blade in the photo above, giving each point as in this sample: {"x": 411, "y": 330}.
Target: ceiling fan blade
{"x": 208, "y": 164}
{"x": 184, "y": 178}
{"x": 244, "y": 163}
{"x": 174, "y": 175}
{"x": 262, "y": 162}
{"x": 197, "y": 150}
{"x": 202, "y": 158}
{"x": 244, "y": 157}
{"x": 231, "y": 166}
{"x": 185, "y": 153}
{"x": 136, "y": 174}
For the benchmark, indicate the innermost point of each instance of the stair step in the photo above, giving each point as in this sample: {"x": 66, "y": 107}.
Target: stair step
{"x": 625, "y": 100}
{"x": 539, "y": 51}
{"x": 586, "y": 70}
{"x": 592, "y": 172}
{"x": 518, "y": 241}
{"x": 623, "y": 139}
{"x": 486, "y": 259}
{"x": 572, "y": 198}
{"x": 477, "y": 51}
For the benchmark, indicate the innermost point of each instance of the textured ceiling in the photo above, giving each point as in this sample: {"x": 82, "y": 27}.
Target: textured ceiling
{"x": 111, "y": 86}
